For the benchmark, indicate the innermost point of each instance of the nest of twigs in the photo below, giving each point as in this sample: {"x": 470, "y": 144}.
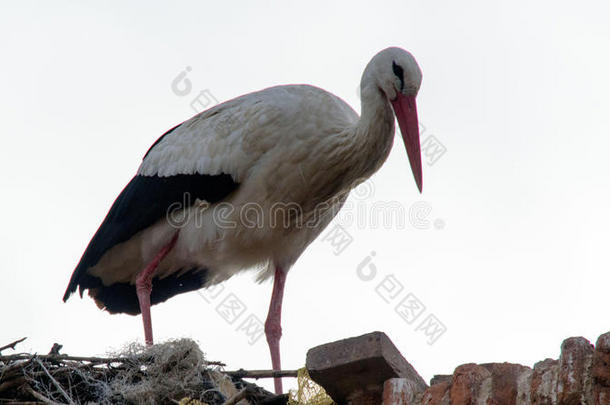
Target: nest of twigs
{"x": 174, "y": 372}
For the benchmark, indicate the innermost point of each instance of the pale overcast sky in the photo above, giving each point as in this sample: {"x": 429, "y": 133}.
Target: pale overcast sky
{"x": 507, "y": 247}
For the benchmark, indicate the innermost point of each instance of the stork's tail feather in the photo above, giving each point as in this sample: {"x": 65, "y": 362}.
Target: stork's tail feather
{"x": 122, "y": 297}
{"x": 72, "y": 285}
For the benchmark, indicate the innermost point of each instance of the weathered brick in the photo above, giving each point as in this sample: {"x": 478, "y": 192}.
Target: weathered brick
{"x": 544, "y": 382}
{"x": 574, "y": 361}
{"x": 355, "y": 369}
{"x": 437, "y": 394}
{"x": 504, "y": 382}
{"x": 398, "y": 391}
{"x": 600, "y": 370}
{"x": 471, "y": 384}
{"x": 439, "y": 378}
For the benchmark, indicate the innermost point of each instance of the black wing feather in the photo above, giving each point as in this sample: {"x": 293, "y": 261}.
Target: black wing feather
{"x": 144, "y": 201}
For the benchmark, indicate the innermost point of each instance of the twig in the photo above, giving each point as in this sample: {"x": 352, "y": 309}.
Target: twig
{"x": 13, "y": 382}
{"x": 12, "y": 345}
{"x": 60, "y": 357}
{"x": 56, "y": 348}
{"x": 236, "y": 398}
{"x": 214, "y": 363}
{"x": 14, "y": 369}
{"x": 262, "y": 373}
{"x": 100, "y": 360}
{"x": 41, "y": 397}
{"x": 55, "y": 383}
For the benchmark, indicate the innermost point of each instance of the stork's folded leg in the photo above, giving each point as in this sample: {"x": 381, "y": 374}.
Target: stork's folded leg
{"x": 144, "y": 288}
{"x": 273, "y": 325}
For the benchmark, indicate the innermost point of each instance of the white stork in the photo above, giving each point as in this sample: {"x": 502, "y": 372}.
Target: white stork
{"x": 292, "y": 152}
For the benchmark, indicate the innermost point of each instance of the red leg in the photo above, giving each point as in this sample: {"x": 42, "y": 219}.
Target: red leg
{"x": 273, "y": 325}
{"x": 144, "y": 288}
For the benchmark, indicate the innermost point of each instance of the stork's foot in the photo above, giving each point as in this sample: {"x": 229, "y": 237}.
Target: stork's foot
{"x": 144, "y": 288}
{"x": 273, "y": 325}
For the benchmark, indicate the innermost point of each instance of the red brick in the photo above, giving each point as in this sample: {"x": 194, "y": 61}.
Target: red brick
{"x": 576, "y": 353}
{"x": 466, "y": 385}
{"x": 437, "y": 394}
{"x": 398, "y": 391}
{"x": 600, "y": 370}
{"x": 504, "y": 382}
{"x": 544, "y": 382}
{"x": 355, "y": 369}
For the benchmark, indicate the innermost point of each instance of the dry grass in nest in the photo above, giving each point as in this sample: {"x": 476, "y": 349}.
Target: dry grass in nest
{"x": 161, "y": 374}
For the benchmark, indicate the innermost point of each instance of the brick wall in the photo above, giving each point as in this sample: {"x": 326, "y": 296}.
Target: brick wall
{"x": 581, "y": 375}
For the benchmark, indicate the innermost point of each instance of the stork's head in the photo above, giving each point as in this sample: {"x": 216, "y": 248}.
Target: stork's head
{"x": 395, "y": 72}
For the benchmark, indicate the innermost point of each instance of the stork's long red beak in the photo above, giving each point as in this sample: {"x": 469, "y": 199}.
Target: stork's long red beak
{"x": 406, "y": 113}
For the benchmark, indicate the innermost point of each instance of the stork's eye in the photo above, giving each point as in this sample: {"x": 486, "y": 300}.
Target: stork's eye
{"x": 397, "y": 69}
